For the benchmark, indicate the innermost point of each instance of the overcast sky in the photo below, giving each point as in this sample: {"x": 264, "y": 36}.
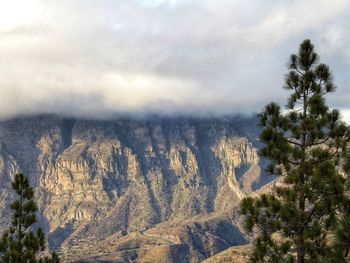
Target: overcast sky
{"x": 93, "y": 58}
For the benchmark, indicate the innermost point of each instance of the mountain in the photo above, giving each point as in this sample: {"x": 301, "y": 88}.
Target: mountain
{"x": 155, "y": 189}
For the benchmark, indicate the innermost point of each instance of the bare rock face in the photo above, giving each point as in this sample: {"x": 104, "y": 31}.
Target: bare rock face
{"x": 98, "y": 179}
{"x": 8, "y": 167}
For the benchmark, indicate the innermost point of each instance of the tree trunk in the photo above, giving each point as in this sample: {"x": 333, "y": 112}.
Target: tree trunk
{"x": 301, "y": 196}
{"x": 20, "y": 219}
{"x": 300, "y": 250}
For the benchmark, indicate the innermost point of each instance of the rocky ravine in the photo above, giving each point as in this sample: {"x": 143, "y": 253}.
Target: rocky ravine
{"x": 126, "y": 190}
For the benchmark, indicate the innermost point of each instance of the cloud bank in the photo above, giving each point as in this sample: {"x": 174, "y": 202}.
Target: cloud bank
{"x": 95, "y": 58}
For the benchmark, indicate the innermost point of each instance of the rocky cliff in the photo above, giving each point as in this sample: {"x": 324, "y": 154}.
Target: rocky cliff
{"x": 134, "y": 186}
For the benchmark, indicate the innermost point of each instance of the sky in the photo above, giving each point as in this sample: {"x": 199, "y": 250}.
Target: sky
{"x": 97, "y": 58}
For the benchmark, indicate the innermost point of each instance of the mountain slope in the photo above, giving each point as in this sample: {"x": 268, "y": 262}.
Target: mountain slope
{"x": 109, "y": 181}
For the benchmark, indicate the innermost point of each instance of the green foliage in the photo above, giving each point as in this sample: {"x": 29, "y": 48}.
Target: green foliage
{"x": 18, "y": 244}
{"x": 306, "y": 145}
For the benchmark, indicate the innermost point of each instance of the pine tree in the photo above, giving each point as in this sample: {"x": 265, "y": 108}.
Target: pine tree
{"x": 342, "y": 233}
{"x": 305, "y": 144}
{"x": 19, "y": 244}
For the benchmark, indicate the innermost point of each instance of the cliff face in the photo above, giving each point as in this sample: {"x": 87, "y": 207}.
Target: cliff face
{"x": 97, "y": 179}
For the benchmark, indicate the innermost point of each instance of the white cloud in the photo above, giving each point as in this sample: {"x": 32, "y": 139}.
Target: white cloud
{"x": 98, "y": 57}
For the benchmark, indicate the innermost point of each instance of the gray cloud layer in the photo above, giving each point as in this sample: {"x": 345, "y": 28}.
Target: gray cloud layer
{"x": 94, "y": 58}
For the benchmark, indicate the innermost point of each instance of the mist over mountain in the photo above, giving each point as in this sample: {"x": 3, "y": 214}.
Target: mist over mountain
{"x": 94, "y": 59}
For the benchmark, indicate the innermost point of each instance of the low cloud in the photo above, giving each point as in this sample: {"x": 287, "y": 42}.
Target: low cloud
{"x": 98, "y": 58}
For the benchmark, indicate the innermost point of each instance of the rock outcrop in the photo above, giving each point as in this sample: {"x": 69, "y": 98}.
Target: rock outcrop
{"x": 100, "y": 179}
